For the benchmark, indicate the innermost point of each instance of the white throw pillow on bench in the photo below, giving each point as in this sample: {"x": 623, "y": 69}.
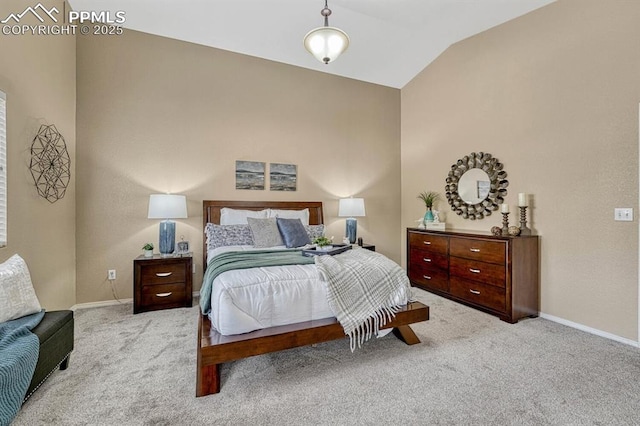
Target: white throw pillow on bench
{"x": 17, "y": 296}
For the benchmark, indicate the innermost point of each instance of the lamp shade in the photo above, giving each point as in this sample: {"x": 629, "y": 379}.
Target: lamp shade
{"x": 326, "y": 43}
{"x": 167, "y": 206}
{"x": 351, "y": 207}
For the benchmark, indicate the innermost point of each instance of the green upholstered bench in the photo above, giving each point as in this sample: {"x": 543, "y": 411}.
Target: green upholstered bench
{"x": 55, "y": 333}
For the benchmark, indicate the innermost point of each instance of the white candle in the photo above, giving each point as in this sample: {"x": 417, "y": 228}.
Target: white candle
{"x": 522, "y": 199}
{"x": 505, "y": 208}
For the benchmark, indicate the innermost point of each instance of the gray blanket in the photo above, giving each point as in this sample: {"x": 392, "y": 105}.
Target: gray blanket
{"x": 19, "y": 350}
{"x": 365, "y": 290}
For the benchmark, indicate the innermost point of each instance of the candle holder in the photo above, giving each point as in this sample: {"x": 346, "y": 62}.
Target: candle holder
{"x": 523, "y": 221}
{"x": 505, "y": 223}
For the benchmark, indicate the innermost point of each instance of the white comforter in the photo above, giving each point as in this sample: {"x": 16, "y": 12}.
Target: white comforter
{"x": 250, "y": 299}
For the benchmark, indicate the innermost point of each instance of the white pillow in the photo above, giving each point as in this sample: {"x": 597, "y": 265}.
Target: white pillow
{"x": 303, "y": 215}
{"x": 239, "y": 217}
{"x": 17, "y": 297}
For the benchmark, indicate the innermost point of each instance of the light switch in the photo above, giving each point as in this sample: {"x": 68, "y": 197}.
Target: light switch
{"x": 623, "y": 214}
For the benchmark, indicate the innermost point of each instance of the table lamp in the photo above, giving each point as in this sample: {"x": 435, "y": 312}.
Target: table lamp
{"x": 167, "y": 206}
{"x": 351, "y": 208}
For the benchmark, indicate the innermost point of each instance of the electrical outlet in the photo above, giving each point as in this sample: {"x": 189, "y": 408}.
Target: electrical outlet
{"x": 111, "y": 274}
{"x": 623, "y": 214}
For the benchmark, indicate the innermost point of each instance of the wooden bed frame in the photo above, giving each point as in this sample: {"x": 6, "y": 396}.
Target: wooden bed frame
{"x": 215, "y": 349}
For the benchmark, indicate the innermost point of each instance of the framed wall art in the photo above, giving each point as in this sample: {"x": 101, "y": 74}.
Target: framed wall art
{"x": 249, "y": 175}
{"x": 283, "y": 177}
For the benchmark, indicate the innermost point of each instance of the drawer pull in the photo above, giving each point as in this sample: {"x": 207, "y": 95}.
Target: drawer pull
{"x": 427, "y": 242}
{"x": 164, "y": 294}
{"x": 475, "y": 271}
{"x": 475, "y": 250}
{"x": 163, "y": 274}
{"x": 426, "y": 260}
{"x": 474, "y": 291}
{"x": 426, "y": 277}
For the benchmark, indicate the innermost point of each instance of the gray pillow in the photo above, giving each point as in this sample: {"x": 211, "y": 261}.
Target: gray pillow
{"x": 293, "y": 232}
{"x": 265, "y": 232}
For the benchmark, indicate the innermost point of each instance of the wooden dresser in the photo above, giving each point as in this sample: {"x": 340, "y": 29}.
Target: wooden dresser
{"x": 498, "y": 275}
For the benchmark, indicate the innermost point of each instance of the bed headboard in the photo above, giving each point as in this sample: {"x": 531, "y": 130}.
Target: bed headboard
{"x": 211, "y": 211}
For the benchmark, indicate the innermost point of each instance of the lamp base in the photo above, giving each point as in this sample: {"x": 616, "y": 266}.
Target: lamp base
{"x": 352, "y": 227}
{"x": 167, "y": 239}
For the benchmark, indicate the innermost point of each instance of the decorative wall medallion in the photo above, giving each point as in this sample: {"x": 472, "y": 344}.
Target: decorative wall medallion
{"x": 50, "y": 164}
{"x": 476, "y": 185}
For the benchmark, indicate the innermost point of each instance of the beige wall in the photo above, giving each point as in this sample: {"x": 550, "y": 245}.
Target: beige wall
{"x": 38, "y": 76}
{"x": 159, "y": 115}
{"x": 554, "y": 95}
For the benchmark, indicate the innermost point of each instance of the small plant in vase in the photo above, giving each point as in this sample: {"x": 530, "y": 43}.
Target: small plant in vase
{"x": 148, "y": 250}
{"x": 429, "y": 199}
{"x": 323, "y": 243}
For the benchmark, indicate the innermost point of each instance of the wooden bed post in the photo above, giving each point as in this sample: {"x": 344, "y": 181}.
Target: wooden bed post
{"x": 207, "y": 376}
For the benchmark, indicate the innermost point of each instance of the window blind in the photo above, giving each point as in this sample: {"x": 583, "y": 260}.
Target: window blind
{"x": 3, "y": 169}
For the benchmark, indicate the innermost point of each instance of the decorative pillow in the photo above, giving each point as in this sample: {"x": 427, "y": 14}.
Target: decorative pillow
{"x": 227, "y": 235}
{"x": 265, "y": 232}
{"x": 314, "y": 231}
{"x": 239, "y": 217}
{"x": 17, "y": 297}
{"x": 293, "y": 232}
{"x": 303, "y": 215}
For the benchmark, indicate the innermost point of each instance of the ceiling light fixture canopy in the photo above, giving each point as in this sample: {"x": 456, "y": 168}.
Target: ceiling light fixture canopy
{"x": 326, "y": 43}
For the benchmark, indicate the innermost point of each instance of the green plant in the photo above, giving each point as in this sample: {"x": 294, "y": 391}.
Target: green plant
{"x": 148, "y": 246}
{"x": 321, "y": 241}
{"x": 429, "y": 198}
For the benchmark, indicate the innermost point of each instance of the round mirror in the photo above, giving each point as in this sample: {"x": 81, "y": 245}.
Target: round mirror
{"x": 476, "y": 185}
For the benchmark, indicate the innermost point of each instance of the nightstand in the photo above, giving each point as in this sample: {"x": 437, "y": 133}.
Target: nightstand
{"x": 162, "y": 282}
{"x": 371, "y": 247}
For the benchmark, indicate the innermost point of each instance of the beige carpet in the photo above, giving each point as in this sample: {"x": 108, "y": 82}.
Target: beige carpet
{"x": 470, "y": 368}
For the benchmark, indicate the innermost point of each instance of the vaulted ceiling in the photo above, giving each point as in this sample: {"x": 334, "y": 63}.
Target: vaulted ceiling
{"x": 391, "y": 40}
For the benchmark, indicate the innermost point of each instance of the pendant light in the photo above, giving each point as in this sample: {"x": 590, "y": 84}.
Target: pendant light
{"x": 326, "y": 43}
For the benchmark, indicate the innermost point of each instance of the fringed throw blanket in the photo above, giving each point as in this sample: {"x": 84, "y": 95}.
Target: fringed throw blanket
{"x": 365, "y": 290}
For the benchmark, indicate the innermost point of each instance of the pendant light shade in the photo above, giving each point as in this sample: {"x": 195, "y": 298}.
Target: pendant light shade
{"x": 326, "y": 43}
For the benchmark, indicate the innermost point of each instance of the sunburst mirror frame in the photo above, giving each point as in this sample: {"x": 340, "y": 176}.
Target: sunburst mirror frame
{"x": 497, "y": 185}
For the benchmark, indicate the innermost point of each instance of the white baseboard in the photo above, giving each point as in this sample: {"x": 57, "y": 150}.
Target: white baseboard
{"x": 110, "y": 303}
{"x": 590, "y": 330}
{"x": 100, "y": 304}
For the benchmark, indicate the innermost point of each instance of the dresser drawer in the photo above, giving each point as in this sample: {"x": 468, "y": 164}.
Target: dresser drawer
{"x": 480, "y": 294}
{"x": 430, "y": 277}
{"x": 433, "y": 243}
{"x": 163, "y": 294}
{"x": 487, "y": 273}
{"x": 427, "y": 258}
{"x": 163, "y": 274}
{"x": 485, "y": 251}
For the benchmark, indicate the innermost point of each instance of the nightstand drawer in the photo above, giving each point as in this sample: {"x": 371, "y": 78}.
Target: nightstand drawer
{"x": 163, "y": 294}
{"x": 163, "y": 274}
